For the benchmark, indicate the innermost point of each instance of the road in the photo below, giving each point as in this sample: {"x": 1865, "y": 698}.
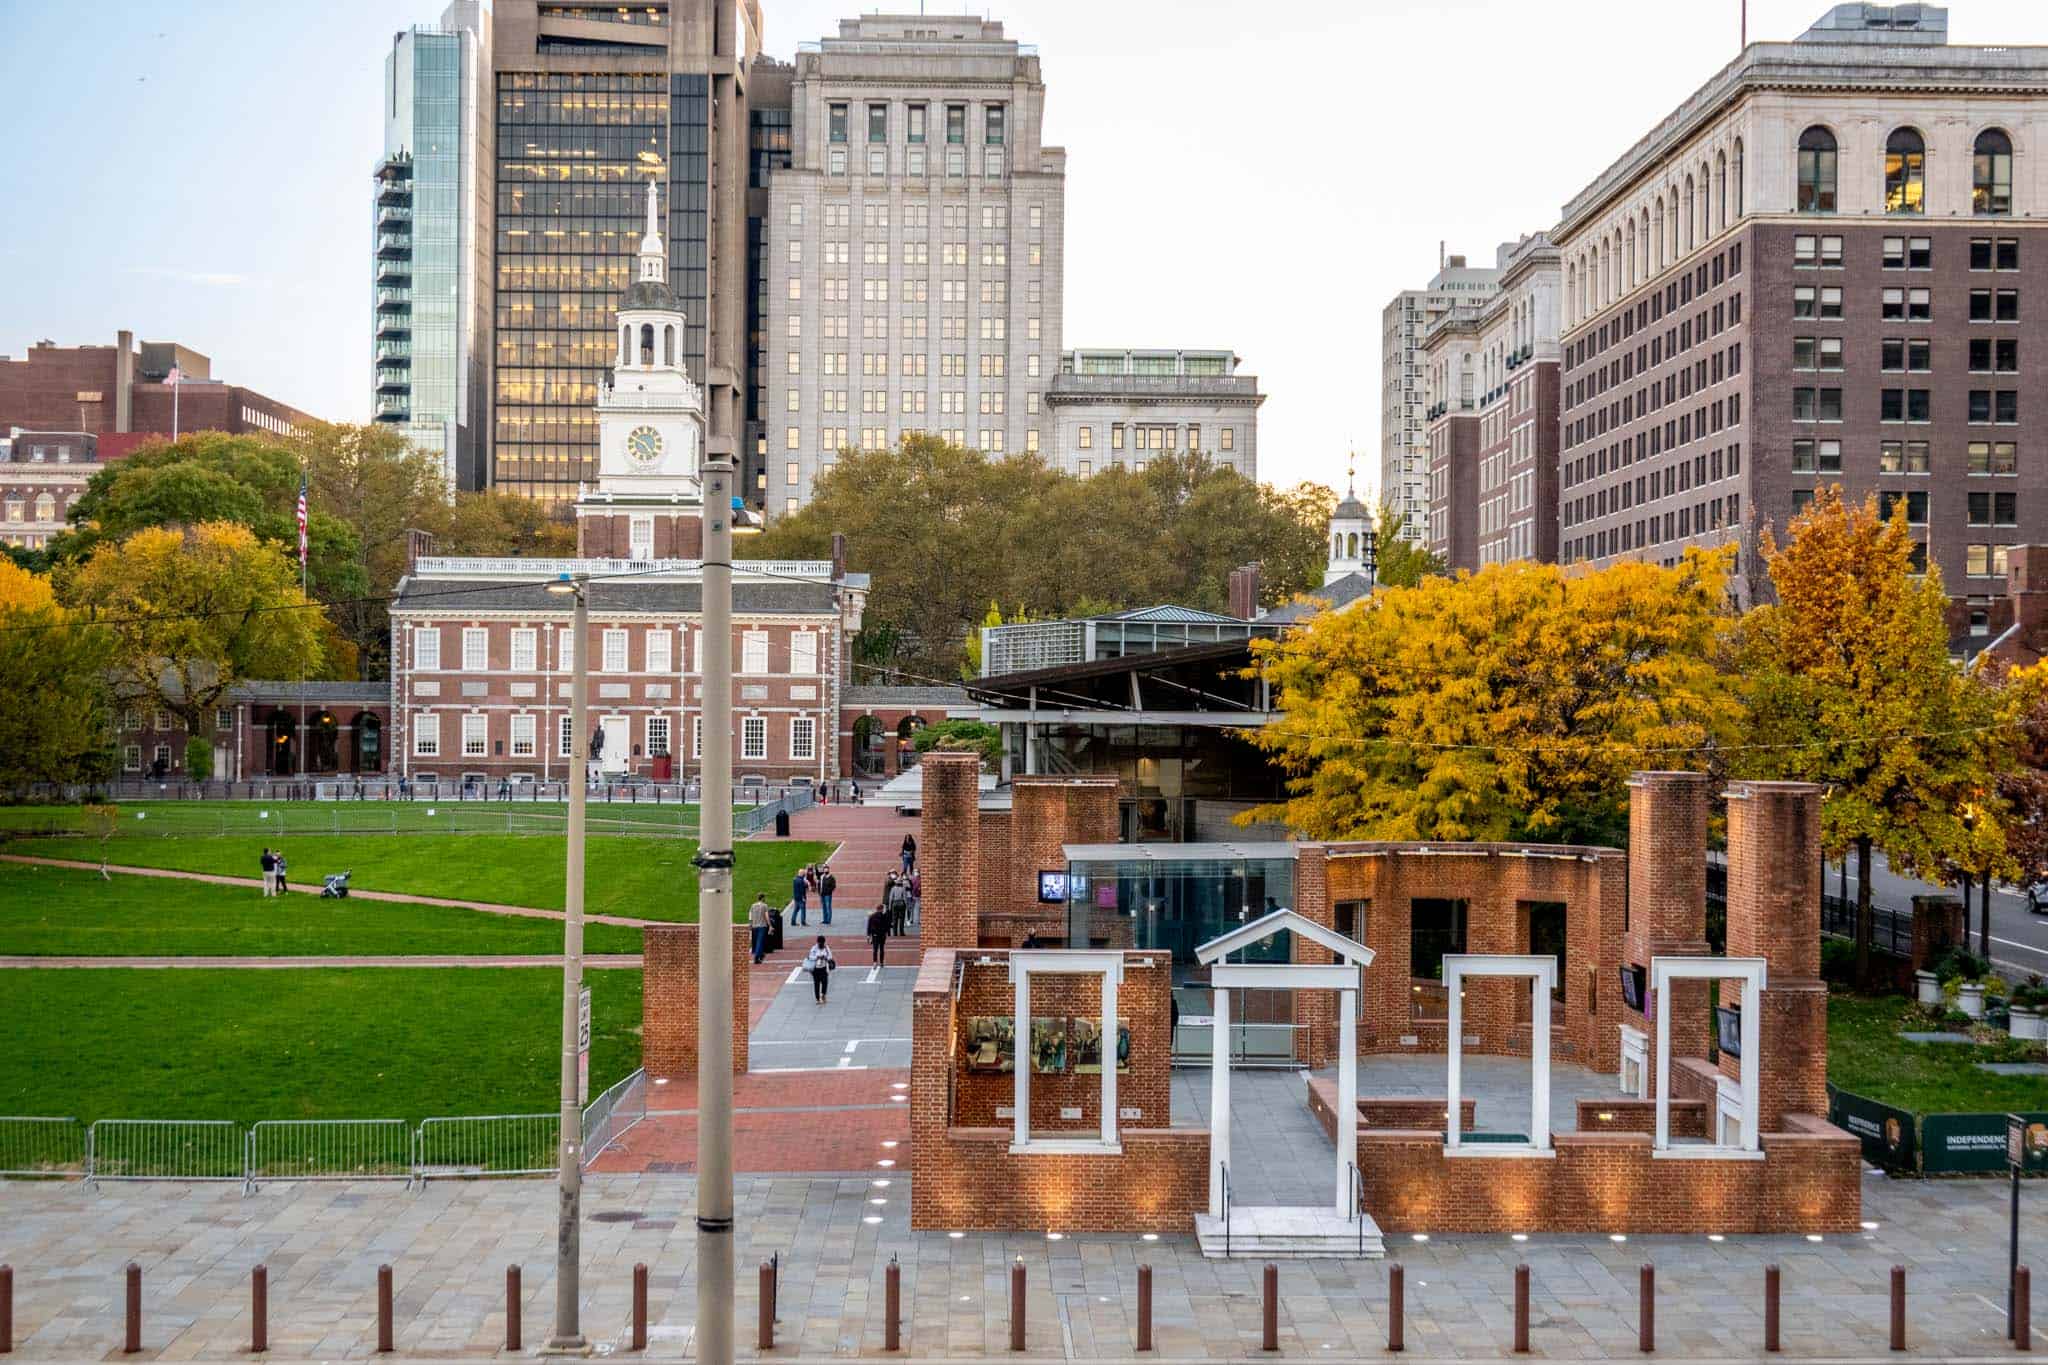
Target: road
{"x": 2019, "y": 939}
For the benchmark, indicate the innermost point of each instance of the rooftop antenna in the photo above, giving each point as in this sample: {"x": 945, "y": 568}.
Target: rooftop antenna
{"x": 1745, "y": 23}
{"x": 1440, "y": 244}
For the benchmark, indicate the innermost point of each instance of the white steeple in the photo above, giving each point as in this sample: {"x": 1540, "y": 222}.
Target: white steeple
{"x": 653, "y": 257}
{"x": 1351, "y": 549}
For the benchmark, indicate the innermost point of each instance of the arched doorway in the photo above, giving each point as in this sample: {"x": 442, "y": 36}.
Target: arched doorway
{"x": 867, "y": 745}
{"x": 323, "y": 743}
{"x": 369, "y": 742}
{"x": 283, "y": 755}
{"x": 906, "y": 745}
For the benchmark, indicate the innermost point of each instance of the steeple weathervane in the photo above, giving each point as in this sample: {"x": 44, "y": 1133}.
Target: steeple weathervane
{"x": 653, "y": 258}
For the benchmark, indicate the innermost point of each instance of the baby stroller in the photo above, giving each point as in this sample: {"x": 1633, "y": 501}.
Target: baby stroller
{"x": 334, "y": 886}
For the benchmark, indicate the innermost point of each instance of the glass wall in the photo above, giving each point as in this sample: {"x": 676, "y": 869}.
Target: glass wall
{"x": 1179, "y": 898}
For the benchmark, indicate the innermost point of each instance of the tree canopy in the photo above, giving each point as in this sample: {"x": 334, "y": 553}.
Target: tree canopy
{"x": 1511, "y": 703}
{"x": 946, "y": 531}
{"x": 53, "y": 674}
{"x": 1402, "y": 563}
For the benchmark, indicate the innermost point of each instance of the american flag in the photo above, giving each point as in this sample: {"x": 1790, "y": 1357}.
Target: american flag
{"x": 302, "y": 521}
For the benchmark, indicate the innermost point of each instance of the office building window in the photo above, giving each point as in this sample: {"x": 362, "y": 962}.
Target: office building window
{"x": 614, "y": 651}
{"x": 803, "y": 652}
{"x": 426, "y": 735}
{"x": 1816, "y": 457}
{"x": 917, "y": 122}
{"x": 525, "y": 650}
{"x": 1816, "y": 171}
{"x": 426, "y": 648}
{"x": 754, "y": 652}
{"x": 1994, "y": 509}
{"x": 803, "y": 738}
{"x": 835, "y": 122}
{"x": 878, "y": 123}
{"x": 754, "y": 737}
{"x": 1915, "y": 503}
{"x": 1900, "y": 457}
{"x": 475, "y": 731}
{"x": 565, "y": 738}
{"x": 657, "y": 736}
{"x": 1905, "y": 172}
{"x": 660, "y": 646}
{"x": 1994, "y": 457}
{"x": 1991, "y": 173}
{"x": 523, "y": 735}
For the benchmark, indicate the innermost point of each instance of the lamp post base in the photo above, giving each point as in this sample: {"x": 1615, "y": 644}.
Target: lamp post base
{"x": 566, "y": 1346}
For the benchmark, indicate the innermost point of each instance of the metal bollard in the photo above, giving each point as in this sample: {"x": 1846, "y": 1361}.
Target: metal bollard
{"x": 640, "y": 1307}
{"x": 892, "y": 1306}
{"x": 1521, "y": 1310}
{"x": 259, "y": 1310}
{"x": 1770, "y": 1308}
{"x": 6, "y": 1309}
{"x": 1396, "y": 1279}
{"x": 1144, "y": 1307}
{"x": 1646, "y": 1295}
{"x": 511, "y": 1307}
{"x": 1270, "y": 1339}
{"x": 1017, "y": 1305}
{"x": 2022, "y": 1309}
{"x": 384, "y": 1310}
{"x": 775, "y": 1286}
{"x": 764, "y": 1335}
{"x": 133, "y": 1342}
{"x": 1898, "y": 1308}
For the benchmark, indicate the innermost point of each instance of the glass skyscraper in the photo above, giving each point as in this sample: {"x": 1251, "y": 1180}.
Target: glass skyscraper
{"x": 430, "y": 297}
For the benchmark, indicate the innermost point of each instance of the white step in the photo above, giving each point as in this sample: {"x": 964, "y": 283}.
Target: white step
{"x": 1289, "y": 1234}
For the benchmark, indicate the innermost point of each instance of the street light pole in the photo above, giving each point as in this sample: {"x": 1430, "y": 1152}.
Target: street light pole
{"x": 568, "y": 1335}
{"x": 714, "y": 932}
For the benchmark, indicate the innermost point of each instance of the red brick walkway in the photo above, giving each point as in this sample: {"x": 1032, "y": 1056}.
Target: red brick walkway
{"x": 788, "y": 1121}
{"x": 869, "y": 840}
{"x": 262, "y": 963}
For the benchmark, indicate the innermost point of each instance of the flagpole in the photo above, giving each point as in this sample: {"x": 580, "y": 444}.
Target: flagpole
{"x": 306, "y": 592}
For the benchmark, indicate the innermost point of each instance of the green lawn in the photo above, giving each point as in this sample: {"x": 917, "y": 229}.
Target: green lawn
{"x": 247, "y": 1045}
{"x": 647, "y": 878}
{"x": 48, "y": 911}
{"x": 1867, "y": 1056}
{"x": 280, "y": 819}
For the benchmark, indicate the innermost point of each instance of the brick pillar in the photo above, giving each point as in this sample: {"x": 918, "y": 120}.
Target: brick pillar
{"x": 949, "y": 849}
{"x": 1939, "y": 923}
{"x": 668, "y": 999}
{"x": 932, "y": 1059}
{"x": 1667, "y": 904}
{"x": 1046, "y": 814}
{"x": 1774, "y": 913}
{"x": 1315, "y": 1011}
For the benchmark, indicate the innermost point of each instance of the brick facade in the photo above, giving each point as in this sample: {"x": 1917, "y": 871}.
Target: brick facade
{"x": 668, "y": 1000}
{"x": 1667, "y": 904}
{"x": 967, "y": 1177}
{"x": 949, "y": 848}
{"x": 1774, "y": 913}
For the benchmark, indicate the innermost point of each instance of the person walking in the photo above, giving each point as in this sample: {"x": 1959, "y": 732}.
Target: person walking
{"x": 278, "y": 871}
{"x": 916, "y": 896}
{"x": 799, "y": 891}
{"x": 757, "y": 925}
{"x": 269, "y": 864}
{"x": 909, "y": 853}
{"x": 898, "y": 904}
{"x": 878, "y": 931}
{"x": 827, "y": 884}
{"x": 819, "y": 963}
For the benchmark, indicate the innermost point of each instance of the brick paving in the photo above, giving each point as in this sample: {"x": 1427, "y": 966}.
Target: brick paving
{"x": 449, "y": 1245}
{"x": 271, "y": 963}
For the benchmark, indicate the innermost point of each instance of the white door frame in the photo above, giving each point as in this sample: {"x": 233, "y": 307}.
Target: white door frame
{"x": 1346, "y": 977}
{"x": 1750, "y": 971}
{"x": 618, "y": 757}
{"x": 1541, "y": 971}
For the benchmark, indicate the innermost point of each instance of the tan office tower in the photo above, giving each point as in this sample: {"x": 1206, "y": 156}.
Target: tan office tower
{"x": 593, "y": 101}
{"x": 913, "y": 256}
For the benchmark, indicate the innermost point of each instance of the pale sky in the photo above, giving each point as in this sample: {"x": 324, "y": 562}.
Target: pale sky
{"x": 1261, "y": 177}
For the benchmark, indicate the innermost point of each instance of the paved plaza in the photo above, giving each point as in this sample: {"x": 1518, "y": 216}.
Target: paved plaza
{"x": 449, "y": 1245}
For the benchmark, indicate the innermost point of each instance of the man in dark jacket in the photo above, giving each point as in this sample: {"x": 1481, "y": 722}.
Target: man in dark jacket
{"x": 878, "y": 932}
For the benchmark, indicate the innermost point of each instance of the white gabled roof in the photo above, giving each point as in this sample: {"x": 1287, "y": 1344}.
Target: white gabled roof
{"x": 1264, "y": 927}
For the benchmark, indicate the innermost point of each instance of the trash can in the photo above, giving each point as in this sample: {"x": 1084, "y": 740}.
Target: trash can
{"x": 782, "y": 824}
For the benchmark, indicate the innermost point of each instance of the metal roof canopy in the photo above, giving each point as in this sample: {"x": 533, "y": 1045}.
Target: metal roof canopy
{"x": 1178, "y": 853}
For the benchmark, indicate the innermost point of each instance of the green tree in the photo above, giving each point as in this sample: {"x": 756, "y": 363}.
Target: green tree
{"x": 492, "y": 523}
{"x": 1402, "y": 563}
{"x": 192, "y": 613}
{"x": 974, "y": 735}
{"x": 970, "y": 669}
{"x": 1511, "y": 703}
{"x": 1849, "y": 685}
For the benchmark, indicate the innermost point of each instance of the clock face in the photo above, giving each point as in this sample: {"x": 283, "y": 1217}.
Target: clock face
{"x": 643, "y": 445}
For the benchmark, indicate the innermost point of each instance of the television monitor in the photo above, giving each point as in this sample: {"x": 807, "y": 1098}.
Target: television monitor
{"x": 1632, "y": 987}
{"x": 1052, "y": 888}
{"x": 1728, "y": 1028}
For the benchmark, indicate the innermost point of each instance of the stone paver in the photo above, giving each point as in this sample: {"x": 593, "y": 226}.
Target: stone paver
{"x": 865, "y": 1020}
{"x": 272, "y": 963}
{"x": 449, "y": 1245}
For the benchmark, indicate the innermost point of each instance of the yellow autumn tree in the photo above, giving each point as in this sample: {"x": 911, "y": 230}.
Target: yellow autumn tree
{"x": 21, "y": 590}
{"x": 1849, "y": 684}
{"x": 53, "y": 677}
{"x": 1511, "y": 703}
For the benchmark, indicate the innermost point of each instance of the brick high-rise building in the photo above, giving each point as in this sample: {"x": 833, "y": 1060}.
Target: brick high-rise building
{"x": 914, "y": 248}
{"x": 1491, "y": 378}
{"x": 1825, "y": 266}
{"x": 593, "y": 101}
{"x": 1404, "y": 400}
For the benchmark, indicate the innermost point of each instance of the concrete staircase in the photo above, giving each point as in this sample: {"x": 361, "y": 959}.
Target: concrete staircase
{"x": 1289, "y": 1234}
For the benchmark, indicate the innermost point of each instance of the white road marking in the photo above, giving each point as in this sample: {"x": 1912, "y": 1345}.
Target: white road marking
{"x": 851, "y": 1044}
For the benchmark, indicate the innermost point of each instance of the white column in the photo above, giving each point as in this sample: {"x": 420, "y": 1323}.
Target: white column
{"x": 1109, "y": 1058}
{"x": 1455, "y": 1036}
{"x": 1539, "y": 1056}
{"x": 1662, "y": 1006}
{"x": 1347, "y": 1098}
{"x": 1020, "y": 1092}
{"x": 1752, "y": 1059}
{"x": 1219, "y": 1100}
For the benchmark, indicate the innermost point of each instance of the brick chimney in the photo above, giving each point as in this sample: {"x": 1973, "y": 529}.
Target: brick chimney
{"x": 2027, "y": 584}
{"x": 838, "y": 556}
{"x": 1244, "y": 592}
{"x": 418, "y": 544}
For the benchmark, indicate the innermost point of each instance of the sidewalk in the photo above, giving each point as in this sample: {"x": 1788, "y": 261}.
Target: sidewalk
{"x": 869, "y": 842}
{"x": 449, "y": 1245}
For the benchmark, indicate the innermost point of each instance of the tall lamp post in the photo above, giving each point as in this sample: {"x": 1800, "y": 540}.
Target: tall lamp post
{"x": 568, "y": 1335}
{"x": 714, "y": 932}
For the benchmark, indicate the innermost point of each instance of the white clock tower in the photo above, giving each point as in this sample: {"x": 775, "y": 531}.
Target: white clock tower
{"x": 650, "y": 421}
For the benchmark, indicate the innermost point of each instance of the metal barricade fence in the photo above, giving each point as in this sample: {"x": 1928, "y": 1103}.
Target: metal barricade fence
{"x": 165, "y": 1149}
{"x": 491, "y": 1144}
{"x": 327, "y": 1149}
{"x": 48, "y": 1147}
{"x": 612, "y": 1113}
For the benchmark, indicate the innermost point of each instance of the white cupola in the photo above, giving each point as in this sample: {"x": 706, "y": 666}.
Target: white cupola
{"x": 1351, "y": 536}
